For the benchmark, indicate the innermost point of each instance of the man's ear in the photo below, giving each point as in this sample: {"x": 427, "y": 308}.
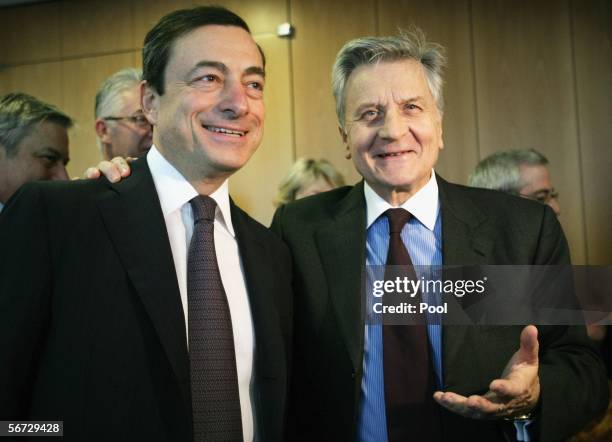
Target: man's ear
{"x": 344, "y": 136}
{"x": 102, "y": 131}
{"x": 441, "y": 131}
{"x": 149, "y": 101}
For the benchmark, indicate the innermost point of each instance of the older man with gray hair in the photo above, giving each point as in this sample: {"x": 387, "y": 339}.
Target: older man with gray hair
{"x": 521, "y": 172}
{"x": 33, "y": 143}
{"x": 358, "y": 380}
{"x": 122, "y": 128}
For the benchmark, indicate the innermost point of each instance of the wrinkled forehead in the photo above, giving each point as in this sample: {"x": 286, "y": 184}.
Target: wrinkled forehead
{"x": 399, "y": 80}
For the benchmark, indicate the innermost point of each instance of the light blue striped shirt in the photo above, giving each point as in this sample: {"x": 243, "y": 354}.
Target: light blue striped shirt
{"x": 423, "y": 238}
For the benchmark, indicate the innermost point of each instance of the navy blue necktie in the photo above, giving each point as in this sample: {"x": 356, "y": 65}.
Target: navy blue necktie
{"x": 412, "y": 414}
{"x": 214, "y": 380}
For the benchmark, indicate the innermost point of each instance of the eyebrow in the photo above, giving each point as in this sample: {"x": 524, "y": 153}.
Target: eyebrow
{"x": 376, "y": 105}
{"x": 255, "y": 70}
{"x": 222, "y": 67}
{"x": 365, "y": 106}
{"x": 543, "y": 191}
{"x": 50, "y": 150}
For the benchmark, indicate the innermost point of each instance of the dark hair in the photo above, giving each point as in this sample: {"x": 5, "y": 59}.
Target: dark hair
{"x": 159, "y": 40}
{"x": 19, "y": 113}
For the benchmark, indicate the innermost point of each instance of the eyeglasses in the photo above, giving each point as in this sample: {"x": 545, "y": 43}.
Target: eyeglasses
{"x": 138, "y": 120}
{"x": 542, "y": 196}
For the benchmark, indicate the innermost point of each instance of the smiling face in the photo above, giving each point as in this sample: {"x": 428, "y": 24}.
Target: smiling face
{"x": 209, "y": 121}
{"x": 393, "y": 128}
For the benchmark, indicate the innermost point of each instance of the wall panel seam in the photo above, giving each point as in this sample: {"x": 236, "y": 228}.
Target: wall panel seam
{"x": 474, "y": 71}
{"x": 585, "y": 236}
{"x": 376, "y": 17}
{"x": 292, "y": 86}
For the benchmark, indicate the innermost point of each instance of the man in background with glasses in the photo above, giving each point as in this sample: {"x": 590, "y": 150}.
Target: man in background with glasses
{"x": 521, "y": 172}
{"x": 122, "y": 128}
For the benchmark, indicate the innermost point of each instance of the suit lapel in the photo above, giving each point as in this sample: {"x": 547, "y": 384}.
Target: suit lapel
{"x": 136, "y": 226}
{"x": 341, "y": 244}
{"x": 464, "y": 242}
{"x": 258, "y": 272}
{"x": 270, "y": 356}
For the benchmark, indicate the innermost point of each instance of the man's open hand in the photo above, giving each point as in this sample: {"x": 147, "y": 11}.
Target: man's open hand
{"x": 516, "y": 393}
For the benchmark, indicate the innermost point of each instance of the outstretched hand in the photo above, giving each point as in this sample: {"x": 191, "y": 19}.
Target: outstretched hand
{"x": 516, "y": 393}
{"x": 114, "y": 170}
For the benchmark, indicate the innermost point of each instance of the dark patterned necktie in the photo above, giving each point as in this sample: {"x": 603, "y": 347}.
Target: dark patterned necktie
{"x": 214, "y": 381}
{"x": 412, "y": 414}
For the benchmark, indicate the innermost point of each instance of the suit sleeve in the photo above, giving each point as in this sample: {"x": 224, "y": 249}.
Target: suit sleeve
{"x": 24, "y": 298}
{"x": 573, "y": 380}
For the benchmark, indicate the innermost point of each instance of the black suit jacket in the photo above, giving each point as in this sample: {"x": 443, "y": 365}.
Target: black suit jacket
{"x": 92, "y": 330}
{"x": 327, "y": 234}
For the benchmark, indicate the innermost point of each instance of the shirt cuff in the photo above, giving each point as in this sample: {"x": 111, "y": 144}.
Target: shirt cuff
{"x": 522, "y": 433}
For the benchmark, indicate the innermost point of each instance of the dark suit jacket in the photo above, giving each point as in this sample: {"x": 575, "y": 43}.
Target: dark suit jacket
{"x": 327, "y": 233}
{"x": 92, "y": 330}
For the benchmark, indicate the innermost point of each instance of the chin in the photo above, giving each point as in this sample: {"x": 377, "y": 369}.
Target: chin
{"x": 230, "y": 166}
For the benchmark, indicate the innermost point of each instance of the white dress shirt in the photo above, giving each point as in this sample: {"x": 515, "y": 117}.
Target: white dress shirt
{"x": 423, "y": 205}
{"x": 174, "y": 193}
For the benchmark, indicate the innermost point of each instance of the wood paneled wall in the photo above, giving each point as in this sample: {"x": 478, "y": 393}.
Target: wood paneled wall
{"x": 520, "y": 74}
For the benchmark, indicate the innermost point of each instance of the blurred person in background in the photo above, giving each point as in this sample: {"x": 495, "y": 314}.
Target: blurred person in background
{"x": 33, "y": 143}
{"x": 308, "y": 177}
{"x": 121, "y": 127}
{"x": 522, "y": 172}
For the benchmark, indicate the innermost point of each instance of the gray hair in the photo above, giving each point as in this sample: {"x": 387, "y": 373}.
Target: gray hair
{"x": 304, "y": 172}
{"x": 371, "y": 50}
{"x": 19, "y": 113}
{"x": 106, "y": 98}
{"x": 501, "y": 170}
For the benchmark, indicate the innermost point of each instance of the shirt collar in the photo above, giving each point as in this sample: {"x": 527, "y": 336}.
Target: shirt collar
{"x": 174, "y": 190}
{"x": 423, "y": 205}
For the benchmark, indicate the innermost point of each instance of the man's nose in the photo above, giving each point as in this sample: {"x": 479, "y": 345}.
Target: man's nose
{"x": 59, "y": 173}
{"x": 234, "y": 102}
{"x": 554, "y": 204}
{"x": 393, "y": 127}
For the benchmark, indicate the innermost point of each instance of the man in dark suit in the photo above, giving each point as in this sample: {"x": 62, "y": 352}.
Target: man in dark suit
{"x": 354, "y": 380}
{"x": 178, "y": 326}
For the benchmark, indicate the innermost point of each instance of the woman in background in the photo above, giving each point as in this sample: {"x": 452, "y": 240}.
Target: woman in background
{"x": 308, "y": 177}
